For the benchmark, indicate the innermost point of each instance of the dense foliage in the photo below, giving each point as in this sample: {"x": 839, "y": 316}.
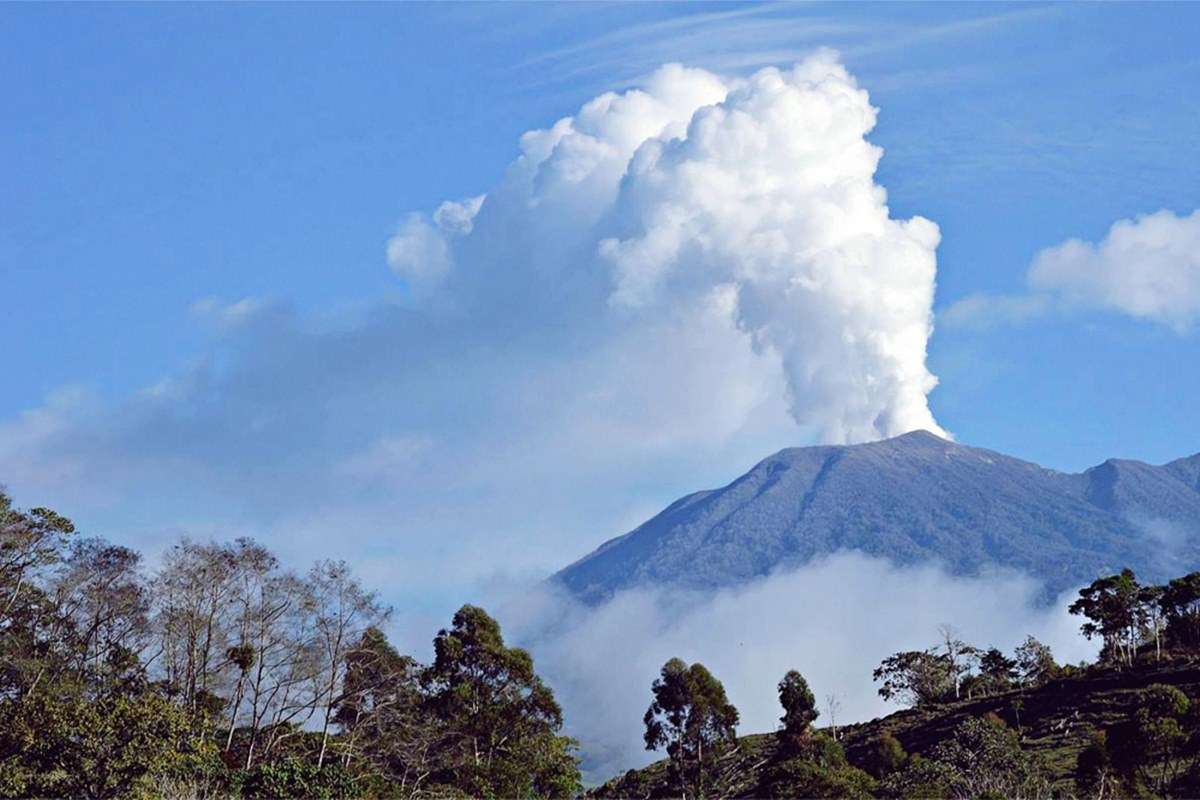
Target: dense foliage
{"x": 693, "y": 719}
{"x": 222, "y": 674}
{"x": 1013, "y": 714}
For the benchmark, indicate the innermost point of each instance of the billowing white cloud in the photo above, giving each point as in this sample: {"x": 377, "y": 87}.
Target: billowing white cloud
{"x": 772, "y": 194}
{"x": 833, "y": 619}
{"x": 418, "y": 253}
{"x": 760, "y": 192}
{"x": 458, "y": 217}
{"x": 1147, "y": 267}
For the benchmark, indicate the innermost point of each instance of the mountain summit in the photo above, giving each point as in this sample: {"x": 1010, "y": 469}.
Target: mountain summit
{"x": 910, "y": 499}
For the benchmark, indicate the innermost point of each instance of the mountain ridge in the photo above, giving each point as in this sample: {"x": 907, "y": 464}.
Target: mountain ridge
{"x": 911, "y": 498}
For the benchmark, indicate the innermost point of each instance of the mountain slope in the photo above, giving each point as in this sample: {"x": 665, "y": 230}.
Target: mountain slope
{"x": 913, "y": 498}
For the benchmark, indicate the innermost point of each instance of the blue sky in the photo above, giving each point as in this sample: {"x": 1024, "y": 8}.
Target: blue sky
{"x": 161, "y": 163}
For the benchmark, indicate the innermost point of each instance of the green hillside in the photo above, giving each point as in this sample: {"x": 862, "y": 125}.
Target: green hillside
{"x": 1053, "y": 723}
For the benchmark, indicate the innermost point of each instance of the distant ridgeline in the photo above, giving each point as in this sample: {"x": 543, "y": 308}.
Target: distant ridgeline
{"x": 911, "y": 499}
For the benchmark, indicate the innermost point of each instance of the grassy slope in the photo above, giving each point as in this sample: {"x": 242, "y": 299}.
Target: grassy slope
{"x": 1055, "y": 722}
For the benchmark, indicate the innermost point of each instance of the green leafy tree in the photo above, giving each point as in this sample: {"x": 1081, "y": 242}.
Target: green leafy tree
{"x": 692, "y": 718}
{"x": 915, "y": 678}
{"x": 885, "y": 755}
{"x": 502, "y": 721}
{"x": 34, "y": 646}
{"x": 1094, "y": 773}
{"x": 808, "y": 763}
{"x": 799, "y": 708}
{"x": 997, "y": 670}
{"x": 66, "y": 745}
{"x": 30, "y": 543}
{"x": 1180, "y": 604}
{"x": 1111, "y": 606}
{"x": 383, "y": 717}
{"x": 1145, "y": 748}
{"x": 1035, "y": 663}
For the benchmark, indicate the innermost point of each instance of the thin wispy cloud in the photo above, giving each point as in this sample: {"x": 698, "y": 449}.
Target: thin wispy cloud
{"x": 748, "y": 38}
{"x": 910, "y": 36}
{"x": 657, "y": 31}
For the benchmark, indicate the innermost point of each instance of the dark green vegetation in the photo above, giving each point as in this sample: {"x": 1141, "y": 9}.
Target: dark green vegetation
{"x": 222, "y": 674}
{"x": 912, "y": 499}
{"x": 980, "y": 724}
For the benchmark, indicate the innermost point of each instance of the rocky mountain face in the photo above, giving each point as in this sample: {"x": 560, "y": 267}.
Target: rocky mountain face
{"x": 913, "y": 498}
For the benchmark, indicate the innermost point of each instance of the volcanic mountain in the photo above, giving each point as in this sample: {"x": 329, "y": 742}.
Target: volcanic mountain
{"x": 913, "y": 498}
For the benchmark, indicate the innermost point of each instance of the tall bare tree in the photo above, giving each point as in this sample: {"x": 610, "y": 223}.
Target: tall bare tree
{"x": 343, "y": 611}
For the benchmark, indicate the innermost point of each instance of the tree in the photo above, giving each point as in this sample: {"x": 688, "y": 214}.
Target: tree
{"x": 33, "y": 647}
{"x": 114, "y": 685}
{"x": 1111, "y": 605}
{"x": 997, "y": 669}
{"x": 1145, "y": 747}
{"x": 1094, "y": 774}
{"x": 1151, "y": 617}
{"x": 1180, "y": 604}
{"x": 192, "y": 589}
{"x": 280, "y": 688}
{"x": 100, "y": 590}
{"x": 254, "y": 572}
{"x": 1035, "y": 663}
{"x": 343, "y": 611}
{"x": 692, "y": 718}
{"x": 382, "y": 716}
{"x": 62, "y": 744}
{"x": 833, "y": 705}
{"x": 885, "y": 755}
{"x": 958, "y": 654}
{"x": 799, "y": 706}
{"x": 915, "y": 677}
{"x": 29, "y": 544}
{"x": 502, "y": 721}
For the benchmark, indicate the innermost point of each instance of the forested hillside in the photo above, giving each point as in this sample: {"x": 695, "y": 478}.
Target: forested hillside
{"x": 979, "y": 724}
{"x": 1045, "y": 741}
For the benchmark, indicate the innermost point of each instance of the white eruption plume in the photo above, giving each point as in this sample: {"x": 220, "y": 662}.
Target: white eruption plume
{"x": 754, "y": 199}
